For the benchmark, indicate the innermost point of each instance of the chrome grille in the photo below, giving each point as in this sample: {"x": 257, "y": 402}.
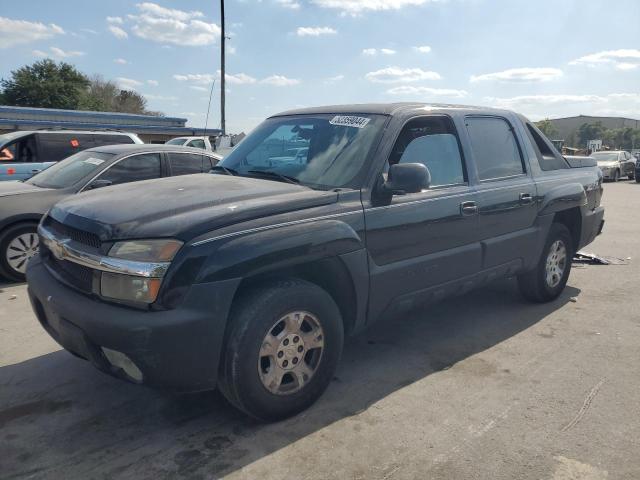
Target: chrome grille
{"x": 75, "y": 234}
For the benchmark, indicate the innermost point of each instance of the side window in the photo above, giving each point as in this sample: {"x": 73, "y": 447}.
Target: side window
{"x": 197, "y": 143}
{"x": 433, "y": 142}
{"x": 111, "y": 139}
{"x": 132, "y": 169}
{"x": 185, "y": 163}
{"x": 495, "y": 148}
{"x": 548, "y": 156}
{"x": 57, "y": 146}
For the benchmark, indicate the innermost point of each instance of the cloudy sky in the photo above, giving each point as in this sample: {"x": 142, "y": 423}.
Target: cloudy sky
{"x": 545, "y": 58}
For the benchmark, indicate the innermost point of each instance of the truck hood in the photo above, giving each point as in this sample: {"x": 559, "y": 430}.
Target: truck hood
{"x": 182, "y": 207}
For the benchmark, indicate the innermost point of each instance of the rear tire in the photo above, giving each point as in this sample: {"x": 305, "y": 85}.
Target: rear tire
{"x": 18, "y": 244}
{"x": 547, "y": 280}
{"x": 282, "y": 349}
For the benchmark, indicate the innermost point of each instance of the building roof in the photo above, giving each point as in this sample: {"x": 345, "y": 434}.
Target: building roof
{"x": 28, "y": 118}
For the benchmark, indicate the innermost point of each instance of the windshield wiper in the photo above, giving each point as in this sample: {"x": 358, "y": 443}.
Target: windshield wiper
{"x": 226, "y": 170}
{"x": 276, "y": 175}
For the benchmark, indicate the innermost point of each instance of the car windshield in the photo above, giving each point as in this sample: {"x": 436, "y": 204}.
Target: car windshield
{"x": 319, "y": 151}
{"x": 176, "y": 141}
{"x": 605, "y": 157}
{"x": 71, "y": 170}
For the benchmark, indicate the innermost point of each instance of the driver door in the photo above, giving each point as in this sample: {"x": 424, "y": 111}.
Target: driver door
{"x": 422, "y": 241}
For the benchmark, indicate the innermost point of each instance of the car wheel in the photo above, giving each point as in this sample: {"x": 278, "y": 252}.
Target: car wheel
{"x": 18, "y": 244}
{"x": 547, "y": 281}
{"x": 282, "y": 349}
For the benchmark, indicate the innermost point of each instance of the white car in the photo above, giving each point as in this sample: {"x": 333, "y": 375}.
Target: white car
{"x": 615, "y": 164}
{"x": 195, "y": 142}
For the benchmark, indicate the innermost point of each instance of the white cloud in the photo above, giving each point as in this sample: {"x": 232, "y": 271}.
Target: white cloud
{"x": 423, "y": 49}
{"x": 439, "y": 92}
{"x": 520, "y": 75}
{"x": 280, "y": 81}
{"x": 207, "y": 78}
{"x": 401, "y": 75}
{"x": 357, "y": 7}
{"x": 292, "y": 4}
{"x": 177, "y": 27}
{"x": 56, "y": 52}
{"x": 116, "y": 20}
{"x": 118, "y": 32}
{"x": 231, "y": 50}
{"x": 315, "y": 31}
{"x": 623, "y": 59}
{"x": 127, "y": 83}
{"x": 158, "y": 11}
{"x": 89, "y": 30}
{"x": 374, "y": 51}
{"x": 16, "y": 32}
{"x": 120, "y": 61}
{"x": 199, "y": 88}
{"x": 563, "y": 105}
{"x": 333, "y": 80}
{"x": 151, "y": 96}
{"x": 153, "y": 83}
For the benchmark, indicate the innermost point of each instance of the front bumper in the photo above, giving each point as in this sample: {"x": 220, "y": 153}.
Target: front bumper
{"x": 178, "y": 349}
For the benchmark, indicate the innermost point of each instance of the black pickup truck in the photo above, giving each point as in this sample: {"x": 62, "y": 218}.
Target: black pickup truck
{"x": 319, "y": 223}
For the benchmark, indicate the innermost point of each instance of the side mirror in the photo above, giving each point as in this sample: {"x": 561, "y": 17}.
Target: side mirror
{"x": 407, "y": 178}
{"x": 99, "y": 184}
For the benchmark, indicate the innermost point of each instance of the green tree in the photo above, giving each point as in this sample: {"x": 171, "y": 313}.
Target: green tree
{"x": 590, "y": 131}
{"x": 45, "y": 84}
{"x": 105, "y": 95}
{"x": 546, "y": 127}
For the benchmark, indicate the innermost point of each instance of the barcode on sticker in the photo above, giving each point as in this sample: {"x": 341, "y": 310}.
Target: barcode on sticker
{"x": 349, "y": 121}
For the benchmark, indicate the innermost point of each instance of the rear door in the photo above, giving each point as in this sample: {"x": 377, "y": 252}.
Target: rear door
{"x": 506, "y": 191}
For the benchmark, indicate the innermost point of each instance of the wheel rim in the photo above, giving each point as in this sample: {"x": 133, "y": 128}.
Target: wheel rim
{"x": 290, "y": 353}
{"x": 20, "y": 250}
{"x": 556, "y": 263}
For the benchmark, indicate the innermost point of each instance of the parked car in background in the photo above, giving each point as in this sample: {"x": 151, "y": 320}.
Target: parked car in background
{"x": 195, "y": 142}
{"x": 22, "y": 204}
{"x": 249, "y": 280}
{"x": 616, "y": 164}
{"x": 23, "y": 154}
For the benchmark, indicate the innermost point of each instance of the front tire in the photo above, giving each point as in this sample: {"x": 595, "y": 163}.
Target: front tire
{"x": 18, "y": 244}
{"x": 547, "y": 281}
{"x": 283, "y": 347}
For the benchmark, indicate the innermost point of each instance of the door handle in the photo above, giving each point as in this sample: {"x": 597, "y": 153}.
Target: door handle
{"x": 526, "y": 198}
{"x": 468, "y": 208}
{"x": 36, "y": 171}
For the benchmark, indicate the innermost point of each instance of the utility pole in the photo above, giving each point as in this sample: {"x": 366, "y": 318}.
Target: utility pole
{"x": 222, "y": 74}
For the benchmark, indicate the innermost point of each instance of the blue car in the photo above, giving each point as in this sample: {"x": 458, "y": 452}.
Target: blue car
{"x": 25, "y": 153}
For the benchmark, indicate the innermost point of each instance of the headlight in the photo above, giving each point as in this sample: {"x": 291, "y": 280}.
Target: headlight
{"x": 129, "y": 288}
{"x": 146, "y": 250}
{"x": 148, "y": 254}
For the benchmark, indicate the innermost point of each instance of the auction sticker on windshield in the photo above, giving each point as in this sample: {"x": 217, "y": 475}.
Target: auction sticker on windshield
{"x": 94, "y": 161}
{"x": 349, "y": 121}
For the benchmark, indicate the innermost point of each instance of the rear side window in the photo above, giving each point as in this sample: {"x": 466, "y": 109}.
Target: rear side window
{"x": 54, "y": 147}
{"x": 145, "y": 166}
{"x": 110, "y": 139}
{"x": 186, "y": 163}
{"x": 548, "y": 156}
{"x": 431, "y": 141}
{"x": 494, "y": 147}
{"x": 197, "y": 143}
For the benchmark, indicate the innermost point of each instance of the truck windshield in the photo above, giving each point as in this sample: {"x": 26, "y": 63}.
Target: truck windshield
{"x": 319, "y": 151}
{"x": 71, "y": 170}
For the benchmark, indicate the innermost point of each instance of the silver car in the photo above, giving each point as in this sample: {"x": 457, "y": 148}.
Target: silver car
{"x": 616, "y": 164}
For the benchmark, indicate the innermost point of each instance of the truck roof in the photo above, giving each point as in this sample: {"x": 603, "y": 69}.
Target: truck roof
{"x": 392, "y": 109}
